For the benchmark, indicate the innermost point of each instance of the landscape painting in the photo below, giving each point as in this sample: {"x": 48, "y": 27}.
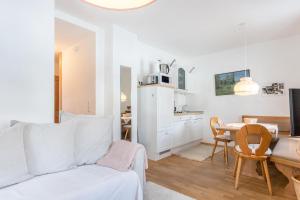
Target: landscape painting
{"x": 225, "y": 82}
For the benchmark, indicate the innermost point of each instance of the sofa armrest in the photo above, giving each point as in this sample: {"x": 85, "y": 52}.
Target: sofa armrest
{"x": 140, "y": 165}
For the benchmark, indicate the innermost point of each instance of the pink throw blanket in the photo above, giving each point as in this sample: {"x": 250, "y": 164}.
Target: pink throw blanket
{"x": 121, "y": 155}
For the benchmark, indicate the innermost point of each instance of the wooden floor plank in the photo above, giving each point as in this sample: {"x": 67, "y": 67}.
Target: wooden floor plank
{"x": 212, "y": 180}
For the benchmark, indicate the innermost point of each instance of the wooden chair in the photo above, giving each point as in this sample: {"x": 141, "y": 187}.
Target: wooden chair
{"x": 259, "y": 151}
{"x": 219, "y": 136}
{"x": 127, "y": 128}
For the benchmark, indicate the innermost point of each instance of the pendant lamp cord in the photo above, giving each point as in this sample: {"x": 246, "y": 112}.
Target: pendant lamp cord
{"x": 245, "y": 48}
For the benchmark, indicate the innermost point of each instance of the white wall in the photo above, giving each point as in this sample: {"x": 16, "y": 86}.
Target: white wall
{"x": 124, "y": 53}
{"x": 148, "y": 57}
{"x": 78, "y": 77}
{"x": 125, "y": 87}
{"x": 99, "y": 57}
{"x": 274, "y": 61}
{"x": 122, "y": 48}
{"x": 27, "y": 60}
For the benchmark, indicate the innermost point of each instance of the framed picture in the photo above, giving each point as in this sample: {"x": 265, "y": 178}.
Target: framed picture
{"x": 275, "y": 89}
{"x": 224, "y": 83}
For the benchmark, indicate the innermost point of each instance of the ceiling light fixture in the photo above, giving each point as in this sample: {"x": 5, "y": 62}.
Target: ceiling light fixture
{"x": 120, "y": 4}
{"x": 246, "y": 86}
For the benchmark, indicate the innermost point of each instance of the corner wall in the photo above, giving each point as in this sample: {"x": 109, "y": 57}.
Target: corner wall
{"x": 274, "y": 61}
{"x": 79, "y": 77}
{"x": 100, "y": 57}
{"x": 27, "y": 61}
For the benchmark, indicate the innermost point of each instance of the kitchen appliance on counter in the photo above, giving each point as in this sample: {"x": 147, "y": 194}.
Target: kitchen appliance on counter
{"x": 165, "y": 68}
{"x": 157, "y": 78}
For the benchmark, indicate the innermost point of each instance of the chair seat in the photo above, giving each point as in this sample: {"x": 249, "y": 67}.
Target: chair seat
{"x": 253, "y": 147}
{"x": 224, "y": 137}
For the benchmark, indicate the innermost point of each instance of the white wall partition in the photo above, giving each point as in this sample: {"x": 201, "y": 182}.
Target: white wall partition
{"x": 99, "y": 56}
{"x": 27, "y": 61}
{"x": 79, "y": 77}
{"x": 124, "y": 54}
{"x": 274, "y": 61}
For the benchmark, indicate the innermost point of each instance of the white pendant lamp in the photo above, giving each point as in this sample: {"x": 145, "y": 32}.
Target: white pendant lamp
{"x": 120, "y": 4}
{"x": 246, "y": 86}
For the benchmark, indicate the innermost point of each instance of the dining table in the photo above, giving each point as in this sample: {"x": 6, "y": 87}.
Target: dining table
{"x": 249, "y": 166}
{"x": 234, "y": 127}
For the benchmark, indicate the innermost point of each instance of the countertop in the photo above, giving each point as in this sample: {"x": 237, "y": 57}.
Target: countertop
{"x": 158, "y": 85}
{"x": 189, "y": 113}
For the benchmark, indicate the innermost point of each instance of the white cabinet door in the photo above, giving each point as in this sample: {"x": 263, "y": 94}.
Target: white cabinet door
{"x": 165, "y": 107}
{"x": 178, "y": 133}
{"x": 164, "y": 140}
{"x": 188, "y": 131}
{"x": 196, "y": 129}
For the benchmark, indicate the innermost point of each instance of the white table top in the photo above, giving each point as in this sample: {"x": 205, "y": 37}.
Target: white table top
{"x": 287, "y": 148}
{"x": 273, "y": 128}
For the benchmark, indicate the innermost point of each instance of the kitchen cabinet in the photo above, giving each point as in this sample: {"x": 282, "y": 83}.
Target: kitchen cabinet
{"x": 164, "y": 98}
{"x": 159, "y": 130}
{"x": 196, "y": 129}
{"x": 186, "y": 129}
{"x": 164, "y": 140}
{"x": 178, "y": 133}
{"x": 155, "y": 118}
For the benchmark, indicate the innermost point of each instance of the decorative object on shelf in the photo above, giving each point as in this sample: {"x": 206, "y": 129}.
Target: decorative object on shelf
{"x": 173, "y": 62}
{"x": 276, "y": 89}
{"x": 192, "y": 69}
{"x": 120, "y": 4}
{"x": 181, "y": 78}
{"x": 246, "y": 86}
{"x": 225, "y": 83}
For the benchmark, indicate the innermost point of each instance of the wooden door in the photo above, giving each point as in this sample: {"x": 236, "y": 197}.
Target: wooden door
{"x": 57, "y": 86}
{"x": 56, "y": 99}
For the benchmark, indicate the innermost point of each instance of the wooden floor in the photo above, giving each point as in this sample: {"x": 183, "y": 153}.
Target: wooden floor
{"x": 209, "y": 180}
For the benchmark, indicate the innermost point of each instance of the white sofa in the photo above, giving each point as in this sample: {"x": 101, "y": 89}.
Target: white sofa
{"x": 56, "y": 178}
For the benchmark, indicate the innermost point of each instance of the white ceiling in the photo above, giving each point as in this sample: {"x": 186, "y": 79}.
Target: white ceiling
{"x": 67, "y": 35}
{"x": 195, "y": 27}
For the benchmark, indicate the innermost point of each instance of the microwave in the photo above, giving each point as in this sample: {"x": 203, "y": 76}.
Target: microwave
{"x": 159, "y": 78}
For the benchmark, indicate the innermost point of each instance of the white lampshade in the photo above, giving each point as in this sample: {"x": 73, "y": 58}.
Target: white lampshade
{"x": 120, "y": 4}
{"x": 245, "y": 87}
{"x": 123, "y": 97}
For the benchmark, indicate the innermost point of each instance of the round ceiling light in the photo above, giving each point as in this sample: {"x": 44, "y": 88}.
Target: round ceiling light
{"x": 120, "y": 4}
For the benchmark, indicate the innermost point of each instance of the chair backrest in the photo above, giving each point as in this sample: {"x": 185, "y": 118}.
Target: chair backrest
{"x": 214, "y": 122}
{"x": 254, "y": 130}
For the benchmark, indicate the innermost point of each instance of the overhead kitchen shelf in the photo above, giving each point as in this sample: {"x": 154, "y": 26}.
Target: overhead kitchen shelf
{"x": 184, "y": 92}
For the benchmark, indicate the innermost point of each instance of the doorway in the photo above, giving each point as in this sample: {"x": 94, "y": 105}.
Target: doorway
{"x": 75, "y": 69}
{"x": 125, "y": 101}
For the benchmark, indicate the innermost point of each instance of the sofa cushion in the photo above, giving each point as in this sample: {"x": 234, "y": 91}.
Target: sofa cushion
{"x": 49, "y": 147}
{"x": 93, "y": 137}
{"x": 13, "y": 167}
{"x": 89, "y": 182}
